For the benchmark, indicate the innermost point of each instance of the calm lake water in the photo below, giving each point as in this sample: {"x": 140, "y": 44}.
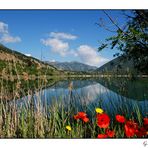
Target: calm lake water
{"x": 113, "y": 95}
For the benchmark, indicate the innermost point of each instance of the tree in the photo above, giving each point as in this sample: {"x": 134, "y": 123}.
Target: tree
{"x": 132, "y": 39}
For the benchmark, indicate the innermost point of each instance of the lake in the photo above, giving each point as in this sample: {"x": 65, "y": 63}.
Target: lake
{"x": 114, "y": 95}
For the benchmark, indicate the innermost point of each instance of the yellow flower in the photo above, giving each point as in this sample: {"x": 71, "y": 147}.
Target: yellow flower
{"x": 99, "y": 110}
{"x": 68, "y": 127}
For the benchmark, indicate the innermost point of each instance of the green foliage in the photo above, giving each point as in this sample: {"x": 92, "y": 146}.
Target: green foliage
{"x": 22, "y": 63}
{"x": 132, "y": 40}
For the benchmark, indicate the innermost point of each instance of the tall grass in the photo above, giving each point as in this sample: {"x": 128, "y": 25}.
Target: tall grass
{"x": 26, "y": 113}
{"x": 33, "y": 117}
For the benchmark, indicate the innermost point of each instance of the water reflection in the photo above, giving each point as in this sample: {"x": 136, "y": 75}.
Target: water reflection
{"x": 111, "y": 95}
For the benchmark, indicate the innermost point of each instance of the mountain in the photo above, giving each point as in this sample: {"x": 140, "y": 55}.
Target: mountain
{"x": 73, "y": 66}
{"x": 118, "y": 65}
{"x": 16, "y": 63}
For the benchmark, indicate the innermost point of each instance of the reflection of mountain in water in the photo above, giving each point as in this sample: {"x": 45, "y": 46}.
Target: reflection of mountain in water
{"x": 87, "y": 92}
{"x": 76, "y": 84}
{"x": 137, "y": 89}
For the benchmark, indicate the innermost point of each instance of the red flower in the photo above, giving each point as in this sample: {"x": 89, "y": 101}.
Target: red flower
{"x": 120, "y": 119}
{"x": 141, "y": 132}
{"x": 82, "y": 116}
{"x": 102, "y": 136}
{"x": 85, "y": 119}
{"x": 76, "y": 117}
{"x": 130, "y": 128}
{"x": 103, "y": 120}
{"x": 110, "y": 133}
{"x": 145, "y": 121}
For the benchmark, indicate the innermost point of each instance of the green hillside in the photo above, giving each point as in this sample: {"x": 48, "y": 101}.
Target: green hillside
{"x": 118, "y": 65}
{"x": 14, "y": 63}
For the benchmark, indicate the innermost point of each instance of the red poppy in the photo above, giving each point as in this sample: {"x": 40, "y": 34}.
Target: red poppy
{"x": 82, "y": 116}
{"x": 102, "y": 136}
{"x": 76, "y": 117}
{"x": 130, "y": 128}
{"x": 110, "y": 133}
{"x": 141, "y": 132}
{"x": 120, "y": 119}
{"x": 85, "y": 119}
{"x": 145, "y": 121}
{"x": 103, "y": 120}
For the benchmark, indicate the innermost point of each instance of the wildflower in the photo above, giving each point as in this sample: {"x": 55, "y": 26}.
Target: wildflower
{"x": 103, "y": 120}
{"x": 120, "y": 119}
{"x": 99, "y": 110}
{"x": 145, "y": 121}
{"x": 130, "y": 128}
{"x": 82, "y": 116}
{"x": 68, "y": 128}
{"x": 85, "y": 119}
{"x": 76, "y": 117}
{"x": 141, "y": 132}
{"x": 102, "y": 136}
{"x": 110, "y": 133}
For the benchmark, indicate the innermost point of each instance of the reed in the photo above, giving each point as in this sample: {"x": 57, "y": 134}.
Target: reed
{"x": 26, "y": 113}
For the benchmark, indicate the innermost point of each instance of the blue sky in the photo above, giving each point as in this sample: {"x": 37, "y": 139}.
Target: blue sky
{"x": 60, "y": 35}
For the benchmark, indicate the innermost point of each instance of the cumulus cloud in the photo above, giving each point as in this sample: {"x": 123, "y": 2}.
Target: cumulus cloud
{"x": 57, "y": 46}
{"x": 5, "y": 36}
{"x": 89, "y": 55}
{"x": 62, "y": 35}
{"x": 58, "y": 42}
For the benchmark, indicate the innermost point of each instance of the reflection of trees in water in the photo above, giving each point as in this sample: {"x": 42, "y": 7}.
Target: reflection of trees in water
{"x": 19, "y": 88}
{"x": 97, "y": 95}
{"x": 89, "y": 93}
{"x": 137, "y": 89}
{"x": 134, "y": 89}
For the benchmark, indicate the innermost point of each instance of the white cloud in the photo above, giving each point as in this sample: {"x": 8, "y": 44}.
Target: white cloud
{"x": 57, "y": 46}
{"x": 5, "y": 36}
{"x": 62, "y": 35}
{"x": 56, "y": 41}
{"x": 28, "y": 54}
{"x": 89, "y": 55}
{"x": 3, "y": 28}
{"x": 85, "y": 53}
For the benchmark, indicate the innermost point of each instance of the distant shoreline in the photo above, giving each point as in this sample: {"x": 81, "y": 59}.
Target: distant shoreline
{"x": 34, "y": 77}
